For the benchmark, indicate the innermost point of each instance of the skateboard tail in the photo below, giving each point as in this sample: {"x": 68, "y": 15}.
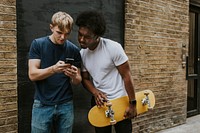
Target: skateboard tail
{"x": 97, "y": 121}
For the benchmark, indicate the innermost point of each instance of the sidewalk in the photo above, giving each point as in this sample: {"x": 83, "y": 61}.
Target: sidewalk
{"x": 192, "y": 125}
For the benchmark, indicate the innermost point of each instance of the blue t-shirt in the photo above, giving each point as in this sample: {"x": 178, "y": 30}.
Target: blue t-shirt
{"x": 55, "y": 89}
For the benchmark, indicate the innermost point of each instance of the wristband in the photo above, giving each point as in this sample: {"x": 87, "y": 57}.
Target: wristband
{"x": 133, "y": 102}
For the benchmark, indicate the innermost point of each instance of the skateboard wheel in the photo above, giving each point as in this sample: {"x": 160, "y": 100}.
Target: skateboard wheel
{"x": 113, "y": 122}
{"x": 150, "y": 108}
{"x": 146, "y": 93}
{"x": 108, "y": 104}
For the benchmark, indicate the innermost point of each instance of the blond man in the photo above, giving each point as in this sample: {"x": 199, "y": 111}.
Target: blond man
{"x": 53, "y": 77}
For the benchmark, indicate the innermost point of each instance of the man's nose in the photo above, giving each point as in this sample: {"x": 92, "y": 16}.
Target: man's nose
{"x": 81, "y": 38}
{"x": 63, "y": 36}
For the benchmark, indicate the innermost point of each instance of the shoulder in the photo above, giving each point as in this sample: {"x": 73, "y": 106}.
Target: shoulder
{"x": 71, "y": 45}
{"x": 116, "y": 51}
{"x": 41, "y": 39}
{"x": 71, "y": 48}
{"x": 110, "y": 43}
{"x": 83, "y": 51}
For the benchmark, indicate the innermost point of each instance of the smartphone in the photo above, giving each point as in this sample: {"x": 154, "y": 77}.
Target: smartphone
{"x": 69, "y": 61}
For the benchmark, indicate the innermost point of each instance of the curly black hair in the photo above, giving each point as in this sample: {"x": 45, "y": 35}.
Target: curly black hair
{"x": 93, "y": 20}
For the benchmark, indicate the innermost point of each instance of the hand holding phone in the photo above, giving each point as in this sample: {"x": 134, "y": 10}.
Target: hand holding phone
{"x": 69, "y": 61}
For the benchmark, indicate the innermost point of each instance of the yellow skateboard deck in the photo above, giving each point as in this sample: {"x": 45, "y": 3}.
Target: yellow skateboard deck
{"x": 113, "y": 112}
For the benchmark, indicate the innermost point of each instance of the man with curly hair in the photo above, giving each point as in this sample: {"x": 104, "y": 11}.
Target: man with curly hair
{"x": 105, "y": 71}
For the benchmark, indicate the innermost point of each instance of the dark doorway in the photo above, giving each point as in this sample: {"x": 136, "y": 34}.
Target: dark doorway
{"x": 33, "y": 18}
{"x": 193, "y": 62}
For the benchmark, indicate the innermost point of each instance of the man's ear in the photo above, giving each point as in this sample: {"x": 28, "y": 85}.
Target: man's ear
{"x": 51, "y": 27}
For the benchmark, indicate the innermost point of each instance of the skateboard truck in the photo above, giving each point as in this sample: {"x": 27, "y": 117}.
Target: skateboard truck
{"x": 110, "y": 113}
{"x": 146, "y": 101}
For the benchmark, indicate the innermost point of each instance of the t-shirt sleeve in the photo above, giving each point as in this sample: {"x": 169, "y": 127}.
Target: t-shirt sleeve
{"x": 78, "y": 61}
{"x": 118, "y": 55}
{"x": 34, "y": 52}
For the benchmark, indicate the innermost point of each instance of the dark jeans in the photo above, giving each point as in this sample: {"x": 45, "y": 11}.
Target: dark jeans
{"x": 124, "y": 126}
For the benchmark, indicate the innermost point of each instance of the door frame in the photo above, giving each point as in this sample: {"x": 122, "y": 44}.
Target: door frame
{"x": 196, "y": 75}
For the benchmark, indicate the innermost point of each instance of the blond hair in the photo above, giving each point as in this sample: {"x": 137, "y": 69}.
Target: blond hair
{"x": 63, "y": 20}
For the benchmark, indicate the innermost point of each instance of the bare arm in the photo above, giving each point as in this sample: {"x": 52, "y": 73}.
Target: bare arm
{"x": 36, "y": 73}
{"x": 87, "y": 83}
{"x": 124, "y": 71}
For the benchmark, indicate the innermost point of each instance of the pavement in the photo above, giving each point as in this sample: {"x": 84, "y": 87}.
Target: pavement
{"x": 192, "y": 125}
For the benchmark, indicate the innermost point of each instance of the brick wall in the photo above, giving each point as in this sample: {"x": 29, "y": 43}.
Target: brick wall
{"x": 8, "y": 67}
{"x": 155, "y": 31}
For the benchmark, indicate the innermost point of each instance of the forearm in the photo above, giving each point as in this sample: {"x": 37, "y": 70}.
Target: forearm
{"x": 40, "y": 74}
{"x": 129, "y": 87}
{"x": 89, "y": 86}
{"x": 76, "y": 80}
{"x": 124, "y": 70}
{"x": 99, "y": 96}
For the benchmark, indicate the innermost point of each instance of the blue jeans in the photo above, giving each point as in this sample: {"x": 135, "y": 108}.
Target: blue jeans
{"x": 44, "y": 116}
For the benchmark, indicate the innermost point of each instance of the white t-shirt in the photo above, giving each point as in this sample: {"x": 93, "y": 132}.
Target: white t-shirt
{"x": 101, "y": 64}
